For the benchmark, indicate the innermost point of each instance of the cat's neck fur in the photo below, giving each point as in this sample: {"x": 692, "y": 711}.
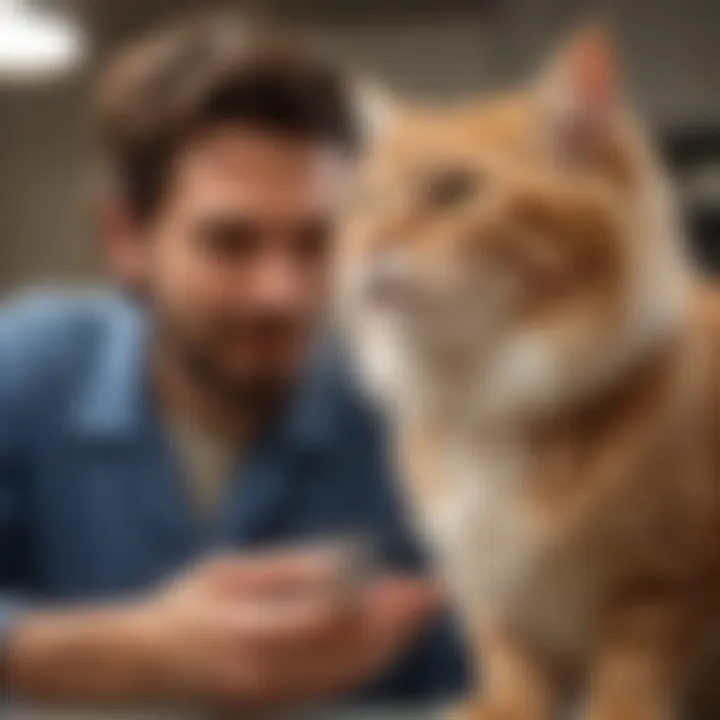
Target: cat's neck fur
{"x": 463, "y": 393}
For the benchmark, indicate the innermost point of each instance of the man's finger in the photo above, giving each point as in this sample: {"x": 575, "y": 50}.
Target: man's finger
{"x": 393, "y": 612}
{"x": 410, "y": 599}
{"x": 287, "y": 627}
{"x": 397, "y": 611}
{"x": 289, "y": 572}
{"x": 307, "y": 658}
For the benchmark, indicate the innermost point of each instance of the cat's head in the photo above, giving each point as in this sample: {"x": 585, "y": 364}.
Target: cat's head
{"x": 530, "y": 236}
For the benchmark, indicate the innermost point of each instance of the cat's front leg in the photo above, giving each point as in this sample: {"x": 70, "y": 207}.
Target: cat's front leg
{"x": 514, "y": 683}
{"x": 636, "y": 673}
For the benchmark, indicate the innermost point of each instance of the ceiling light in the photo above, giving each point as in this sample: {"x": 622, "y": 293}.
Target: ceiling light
{"x": 36, "y": 43}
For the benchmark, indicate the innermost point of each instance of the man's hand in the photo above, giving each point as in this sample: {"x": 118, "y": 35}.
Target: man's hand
{"x": 244, "y": 634}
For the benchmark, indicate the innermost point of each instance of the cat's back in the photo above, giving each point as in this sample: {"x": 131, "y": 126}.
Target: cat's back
{"x": 704, "y": 334}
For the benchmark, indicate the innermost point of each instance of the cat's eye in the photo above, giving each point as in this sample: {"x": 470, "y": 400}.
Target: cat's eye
{"x": 450, "y": 187}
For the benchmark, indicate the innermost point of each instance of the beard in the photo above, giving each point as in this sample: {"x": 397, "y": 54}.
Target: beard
{"x": 201, "y": 352}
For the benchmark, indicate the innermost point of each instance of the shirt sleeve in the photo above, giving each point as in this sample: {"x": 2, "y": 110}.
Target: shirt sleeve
{"x": 16, "y": 383}
{"x": 14, "y": 544}
{"x": 434, "y": 673}
{"x": 13, "y": 548}
{"x": 11, "y": 552}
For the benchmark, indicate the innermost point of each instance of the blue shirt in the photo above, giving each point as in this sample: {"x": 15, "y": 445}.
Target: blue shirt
{"x": 91, "y": 502}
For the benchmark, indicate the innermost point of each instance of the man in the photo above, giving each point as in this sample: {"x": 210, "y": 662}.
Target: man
{"x": 203, "y": 417}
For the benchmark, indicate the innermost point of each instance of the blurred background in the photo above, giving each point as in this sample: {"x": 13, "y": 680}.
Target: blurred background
{"x": 429, "y": 47}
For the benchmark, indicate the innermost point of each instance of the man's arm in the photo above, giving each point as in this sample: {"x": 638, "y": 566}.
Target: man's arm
{"x": 82, "y": 656}
{"x": 235, "y": 634}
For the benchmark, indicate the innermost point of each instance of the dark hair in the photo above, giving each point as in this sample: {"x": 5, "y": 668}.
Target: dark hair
{"x": 161, "y": 90}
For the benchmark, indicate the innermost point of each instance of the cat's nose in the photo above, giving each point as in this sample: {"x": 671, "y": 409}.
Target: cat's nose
{"x": 388, "y": 281}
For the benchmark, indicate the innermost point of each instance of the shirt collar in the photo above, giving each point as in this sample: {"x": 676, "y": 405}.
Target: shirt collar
{"x": 116, "y": 402}
{"x": 314, "y": 414}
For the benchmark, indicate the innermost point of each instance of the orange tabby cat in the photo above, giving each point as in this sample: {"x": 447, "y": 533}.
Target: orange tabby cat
{"x": 515, "y": 285}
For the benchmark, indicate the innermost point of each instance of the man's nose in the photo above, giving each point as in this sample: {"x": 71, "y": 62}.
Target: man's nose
{"x": 276, "y": 282}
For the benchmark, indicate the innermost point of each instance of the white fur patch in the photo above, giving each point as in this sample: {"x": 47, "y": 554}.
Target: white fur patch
{"x": 382, "y": 360}
{"x": 477, "y": 522}
{"x": 379, "y": 357}
{"x": 496, "y": 560}
{"x": 522, "y": 377}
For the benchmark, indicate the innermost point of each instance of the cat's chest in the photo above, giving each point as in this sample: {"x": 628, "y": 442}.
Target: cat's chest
{"x": 498, "y": 558}
{"x": 479, "y": 520}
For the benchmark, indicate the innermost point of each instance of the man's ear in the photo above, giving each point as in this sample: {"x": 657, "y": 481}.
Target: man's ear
{"x": 124, "y": 247}
{"x": 580, "y": 92}
{"x": 375, "y": 110}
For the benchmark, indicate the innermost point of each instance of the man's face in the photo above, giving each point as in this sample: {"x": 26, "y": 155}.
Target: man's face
{"x": 236, "y": 263}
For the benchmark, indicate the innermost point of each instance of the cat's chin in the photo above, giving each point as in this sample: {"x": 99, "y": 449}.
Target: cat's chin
{"x": 378, "y": 360}
{"x": 526, "y": 375}
{"x": 517, "y": 379}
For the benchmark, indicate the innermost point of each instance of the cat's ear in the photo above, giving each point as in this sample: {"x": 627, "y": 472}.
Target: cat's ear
{"x": 375, "y": 110}
{"x": 581, "y": 91}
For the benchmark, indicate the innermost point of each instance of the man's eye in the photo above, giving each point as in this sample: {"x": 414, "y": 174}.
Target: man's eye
{"x": 450, "y": 188}
{"x": 229, "y": 239}
{"x": 313, "y": 241}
